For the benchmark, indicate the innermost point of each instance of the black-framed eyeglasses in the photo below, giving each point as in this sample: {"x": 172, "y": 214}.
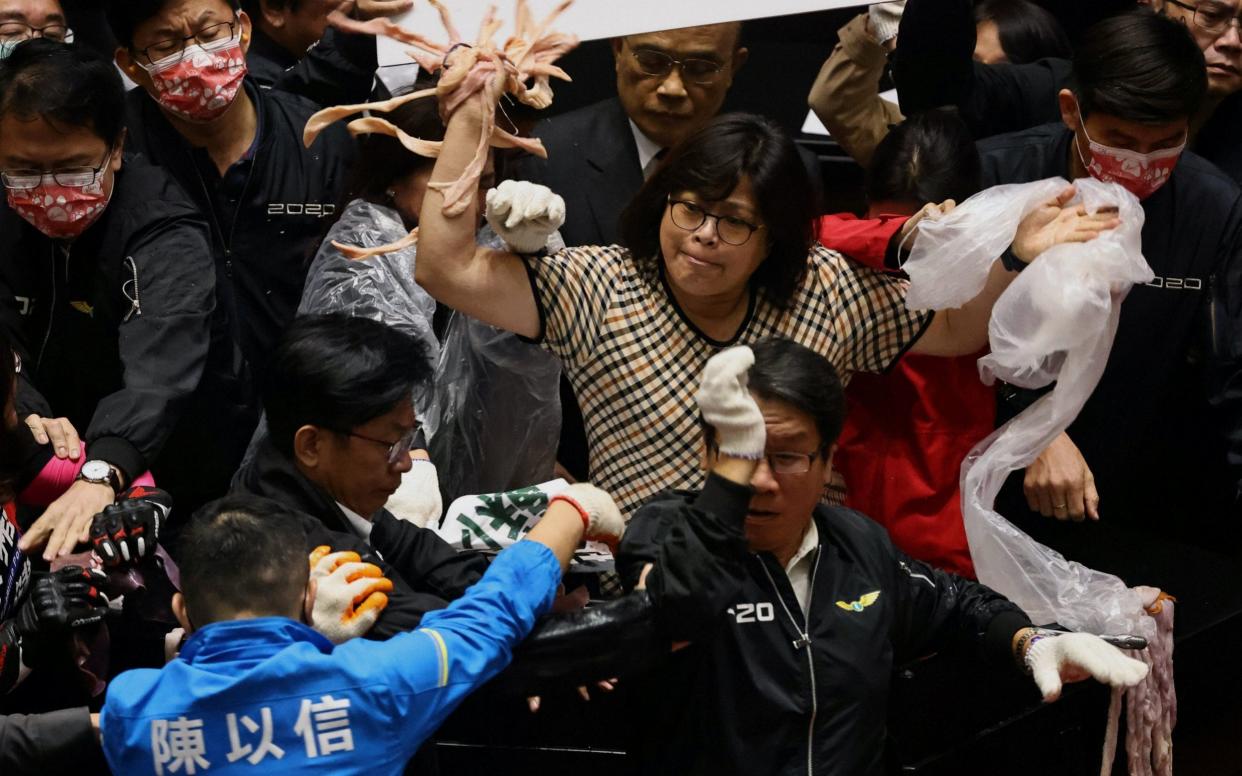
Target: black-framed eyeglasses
{"x": 12, "y": 32}
{"x": 694, "y": 69}
{"x": 784, "y": 461}
{"x": 73, "y": 177}
{"x": 396, "y": 450}
{"x": 1212, "y": 17}
{"x": 174, "y": 48}
{"x": 730, "y": 229}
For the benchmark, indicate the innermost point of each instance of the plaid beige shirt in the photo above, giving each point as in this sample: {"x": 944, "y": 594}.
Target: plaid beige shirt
{"x": 634, "y": 359}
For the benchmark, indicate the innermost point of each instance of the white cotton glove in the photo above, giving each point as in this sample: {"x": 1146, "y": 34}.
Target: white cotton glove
{"x": 603, "y": 519}
{"x": 1076, "y": 656}
{"x": 524, "y": 214}
{"x": 417, "y": 499}
{"x": 727, "y": 405}
{"x": 885, "y": 18}
{"x": 349, "y": 594}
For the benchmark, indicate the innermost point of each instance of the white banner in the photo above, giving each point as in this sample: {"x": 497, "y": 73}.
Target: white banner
{"x": 592, "y": 19}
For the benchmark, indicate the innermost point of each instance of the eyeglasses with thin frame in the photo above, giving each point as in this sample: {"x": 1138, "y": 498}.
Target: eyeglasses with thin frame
{"x": 691, "y": 215}
{"x": 696, "y": 70}
{"x": 396, "y": 450}
{"x": 73, "y": 177}
{"x": 1212, "y": 17}
{"x": 11, "y": 32}
{"x": 784, "y": 461}
{"x": 169, "y": 48}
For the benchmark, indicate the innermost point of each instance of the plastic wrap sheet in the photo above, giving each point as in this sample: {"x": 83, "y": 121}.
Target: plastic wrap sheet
{"x": 1055, "y": 322}
{"x": 381, "y": 288}
{"x": 495, "y": 418}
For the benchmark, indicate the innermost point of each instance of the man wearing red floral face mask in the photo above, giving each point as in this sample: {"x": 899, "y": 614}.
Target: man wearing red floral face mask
{"x": 106, "y": 286}
{"x": 236, "y": 149}
{"x": 1162, "y": 431}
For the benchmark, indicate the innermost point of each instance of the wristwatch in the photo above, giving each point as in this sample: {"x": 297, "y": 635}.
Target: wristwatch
{"x": 101, "y": 473}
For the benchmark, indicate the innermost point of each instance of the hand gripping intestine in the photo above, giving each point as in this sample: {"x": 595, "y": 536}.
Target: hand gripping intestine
{"x": 467, "y": 71}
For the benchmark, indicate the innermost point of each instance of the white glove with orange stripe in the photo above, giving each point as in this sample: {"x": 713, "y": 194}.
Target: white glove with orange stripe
{"x": 601, "y": 519}
{"x": 349, "y": 594}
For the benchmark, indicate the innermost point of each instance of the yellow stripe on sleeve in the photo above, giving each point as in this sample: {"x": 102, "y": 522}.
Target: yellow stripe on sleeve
{"x": 441, "y": 652}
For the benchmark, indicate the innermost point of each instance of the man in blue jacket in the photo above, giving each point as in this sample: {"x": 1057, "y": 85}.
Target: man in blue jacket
{"x": 257, "y": 690}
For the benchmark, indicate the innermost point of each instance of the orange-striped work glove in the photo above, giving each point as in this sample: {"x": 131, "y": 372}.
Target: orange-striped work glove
{"x": 349, "y": 596}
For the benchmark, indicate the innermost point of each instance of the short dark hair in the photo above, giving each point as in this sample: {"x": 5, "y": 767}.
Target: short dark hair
{"x": 929, "y": 157}
{"x": 337, "y": 372}
{"x": 1139, "y": 66}
{"x": 1027, "y": 32}
{"x": 382, "y": 160}
{"x": 792, "y": 373}
{"x": 66, "y": 85}
{"x": 124, "y": 16}
{"x": 711, "y": 163}
{"x": 242, "y": 553}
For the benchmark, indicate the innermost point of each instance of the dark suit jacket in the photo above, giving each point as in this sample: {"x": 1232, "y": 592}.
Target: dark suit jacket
{"x": 593, "y": 163}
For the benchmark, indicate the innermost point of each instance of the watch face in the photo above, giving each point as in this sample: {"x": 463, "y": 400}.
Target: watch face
{"x": 95, "y": 470}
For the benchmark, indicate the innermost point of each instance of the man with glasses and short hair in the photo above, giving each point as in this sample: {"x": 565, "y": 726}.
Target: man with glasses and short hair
{"x": 108, "y": 291}
{"x": 21, "y": 20}
{"x": 669, "y": 84}
{"x": 341, "y": 433}
{"x": 237, "y": 149}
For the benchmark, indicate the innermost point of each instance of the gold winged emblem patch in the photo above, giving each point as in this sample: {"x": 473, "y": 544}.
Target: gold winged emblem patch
{"x": 865, "y": 600}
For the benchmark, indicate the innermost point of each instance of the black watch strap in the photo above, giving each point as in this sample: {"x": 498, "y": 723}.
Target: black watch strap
{"x": 1010, "y": 261}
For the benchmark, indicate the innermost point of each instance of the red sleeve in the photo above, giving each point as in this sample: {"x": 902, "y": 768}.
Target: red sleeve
{"x": 865, "y": 240}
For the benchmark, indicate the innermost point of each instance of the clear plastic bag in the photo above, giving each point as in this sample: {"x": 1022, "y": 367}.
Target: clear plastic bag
{"x": 493, "y": 412}
{"x": 1056, "y": 321}
{"x": 494, "y": 419}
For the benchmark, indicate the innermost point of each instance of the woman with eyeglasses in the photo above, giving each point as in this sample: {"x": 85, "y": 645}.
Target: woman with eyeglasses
{"x": 716, "y": 251}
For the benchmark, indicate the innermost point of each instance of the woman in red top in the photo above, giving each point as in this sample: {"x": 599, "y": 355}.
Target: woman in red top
{"x": 908, "y": 431}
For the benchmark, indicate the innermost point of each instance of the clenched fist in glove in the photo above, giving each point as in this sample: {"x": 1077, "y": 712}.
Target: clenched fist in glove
{"x": 58, "y": 602}
{"x": 129, "y": 530}
{"x": 728, "y": 407}
{"x": 1072, "y": 657}
{"x": 349, "y": 594}
{"x": 600, "y": 516}
{"x": 524, "y": 214}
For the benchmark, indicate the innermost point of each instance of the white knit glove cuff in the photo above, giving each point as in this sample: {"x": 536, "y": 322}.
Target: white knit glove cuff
{"x": 524, "y": 214}
{"x": 417, "y": 499}
{"x": 728, "y": 407}
{"x": 885, "y": 19}
{"x": 600, "y": 513}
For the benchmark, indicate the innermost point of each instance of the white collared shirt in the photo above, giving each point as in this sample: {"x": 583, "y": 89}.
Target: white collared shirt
{"x": 799, "y": 567}
{"x": 360, "y": 524}
{"x": 647, "y": 150}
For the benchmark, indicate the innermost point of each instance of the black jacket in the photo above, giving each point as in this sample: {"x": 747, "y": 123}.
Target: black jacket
{"x": 758, "y": 676}
{"x": 425, "y": 565}
{"x": 933, "y": 66}
{"x": 1167, "y": 412}
{"x": 339, "y": 69}
{"x": 57, "y": 742}
{"x": 118, "y": 329}
{"x": 266, "y": 215}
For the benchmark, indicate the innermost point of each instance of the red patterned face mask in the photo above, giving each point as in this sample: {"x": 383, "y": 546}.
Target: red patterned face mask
{"x": 1140, "y": 174}
{"x": 201, "y": 82}
{"x": 59, "y": 211}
